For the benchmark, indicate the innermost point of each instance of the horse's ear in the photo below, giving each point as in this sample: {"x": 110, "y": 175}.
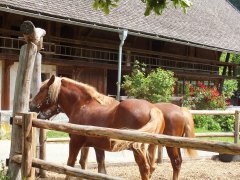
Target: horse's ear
{"x": 51, "y": 80}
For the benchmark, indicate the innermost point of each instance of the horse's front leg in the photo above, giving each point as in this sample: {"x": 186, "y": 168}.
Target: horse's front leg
{"x": 75, "y": 144}
{"x": 100, "y": 156}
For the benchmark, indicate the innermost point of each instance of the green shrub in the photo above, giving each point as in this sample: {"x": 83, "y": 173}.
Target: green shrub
{"x": 155, "y": 86}
{"x": 206, "y": 122}
{"x": 214, "y": 122}
{"x": 226, "y": 122}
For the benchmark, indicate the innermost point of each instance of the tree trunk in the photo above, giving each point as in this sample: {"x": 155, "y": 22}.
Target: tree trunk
{"x": 224, "y": 72}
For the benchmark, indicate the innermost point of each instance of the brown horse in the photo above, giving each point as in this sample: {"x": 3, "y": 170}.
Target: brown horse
{"x": 178, "y": 122}
{"x": 84, "y": 105}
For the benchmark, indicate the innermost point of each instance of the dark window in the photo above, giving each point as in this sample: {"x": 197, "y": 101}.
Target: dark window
{"x": 67, "y": 32}
{"x": 157, "y": 45}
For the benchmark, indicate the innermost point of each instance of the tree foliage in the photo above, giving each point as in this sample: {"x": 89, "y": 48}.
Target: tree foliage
{"x": 156, "y": 6}
{"x": 230, "y": 85}
{"x": 155, "y": 86}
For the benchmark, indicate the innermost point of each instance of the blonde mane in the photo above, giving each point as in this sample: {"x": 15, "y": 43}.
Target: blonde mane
{"x": 91, "y": 91}
{"x": 54, "y": 89}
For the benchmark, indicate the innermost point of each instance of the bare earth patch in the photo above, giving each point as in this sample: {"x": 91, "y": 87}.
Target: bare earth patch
{"x": 191, "y": 169}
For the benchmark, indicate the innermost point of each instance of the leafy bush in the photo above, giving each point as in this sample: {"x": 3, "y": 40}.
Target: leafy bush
{"x": 201, "y": 97}
{"x": 214, "y": 122}
{"x": 206, "y": 122}
{"x": 229, "y": 87}
{"x": 226, "y": 122}
{"x": 155, "y": 86}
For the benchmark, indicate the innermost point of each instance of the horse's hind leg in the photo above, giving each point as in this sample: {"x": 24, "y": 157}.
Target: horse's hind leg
{"x": 84, "y": 157}
{"x": 140, "y": 158}
{"x": 151, "y": 157}
{"x": 176, "y": 160}
{"x": 100, "y": 156}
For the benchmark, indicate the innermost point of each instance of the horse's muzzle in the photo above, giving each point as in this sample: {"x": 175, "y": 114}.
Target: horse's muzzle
{"x": 33, "y": 107}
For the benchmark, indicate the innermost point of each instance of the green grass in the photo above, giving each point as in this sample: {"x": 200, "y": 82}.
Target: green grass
{"x": 56, "y": 134}
{"x": 200, "y": 130}
{"x": 224, "y": 139}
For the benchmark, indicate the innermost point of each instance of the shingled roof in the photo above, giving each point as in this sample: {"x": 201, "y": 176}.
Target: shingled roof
{"x": 208, "y": 24}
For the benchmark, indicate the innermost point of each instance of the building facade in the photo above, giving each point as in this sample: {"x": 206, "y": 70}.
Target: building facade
{"x": 82, "y": 43}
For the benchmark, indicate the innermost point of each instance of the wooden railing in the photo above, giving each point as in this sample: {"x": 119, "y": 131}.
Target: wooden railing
{"x": 234, "y": 134}
{"x": 28, "y": 160}
{"x": 98, "y": 55}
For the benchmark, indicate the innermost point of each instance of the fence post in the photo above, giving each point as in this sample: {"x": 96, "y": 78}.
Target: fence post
{"x": 42, "y": 143}
{"x": 28, "y": 148}
{"x": 236, "y": 127}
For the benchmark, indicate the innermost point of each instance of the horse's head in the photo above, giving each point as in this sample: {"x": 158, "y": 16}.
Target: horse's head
{"x": 48, "y": 110}
{"x": 43, "y": 102}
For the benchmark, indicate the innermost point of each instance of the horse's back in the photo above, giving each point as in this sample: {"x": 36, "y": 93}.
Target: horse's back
{"x": 174, "y": 118}
{"x": 132, "y": 114}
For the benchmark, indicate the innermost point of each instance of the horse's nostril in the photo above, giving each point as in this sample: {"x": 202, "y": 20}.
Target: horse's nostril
{"x": 33, "y": 108}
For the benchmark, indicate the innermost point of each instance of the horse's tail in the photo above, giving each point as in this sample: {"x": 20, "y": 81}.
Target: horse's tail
{"x": 156, "y": 124}
{"x": 189, "y": 130}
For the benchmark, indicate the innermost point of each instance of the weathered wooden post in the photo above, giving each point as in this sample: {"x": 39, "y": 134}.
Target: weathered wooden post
{"x": 29, "y": 146}
{"x": 42, "y": 153}
{"x": 27, "y": 58}
{"x": 236, "y": 127}
{"x": 35, "y": 86}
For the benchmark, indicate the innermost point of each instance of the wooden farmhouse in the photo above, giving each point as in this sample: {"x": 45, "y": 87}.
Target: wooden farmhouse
{"x": 83, "y": 43}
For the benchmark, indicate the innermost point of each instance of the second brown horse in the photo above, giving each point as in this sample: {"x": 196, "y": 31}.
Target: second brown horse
{"x": 178, "y": 122}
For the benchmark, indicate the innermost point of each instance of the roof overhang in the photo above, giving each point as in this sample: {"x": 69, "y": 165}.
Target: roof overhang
{"x": 39, "y": 15}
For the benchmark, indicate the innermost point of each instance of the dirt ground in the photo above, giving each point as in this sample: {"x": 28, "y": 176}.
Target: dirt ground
{"x": 191, "y": 170}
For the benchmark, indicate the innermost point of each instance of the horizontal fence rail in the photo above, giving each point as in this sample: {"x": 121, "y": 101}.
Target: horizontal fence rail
{"x": 137, "y": 136}
{"x": 212, "y": 112}
{"x": 211, "y": 134}
{"x": 236, "y": 113}
{"x": 196, "y": 112}
{"x": 63, "y": 169}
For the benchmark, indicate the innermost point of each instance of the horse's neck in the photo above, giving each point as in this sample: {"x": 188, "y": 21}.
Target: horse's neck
{"x": 75, "y": 102}
{"x": 69, "y": 100}
{"x": 93, "y": 113}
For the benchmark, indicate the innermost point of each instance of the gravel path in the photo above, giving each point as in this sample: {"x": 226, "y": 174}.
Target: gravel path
{"x": 191, "y": 170}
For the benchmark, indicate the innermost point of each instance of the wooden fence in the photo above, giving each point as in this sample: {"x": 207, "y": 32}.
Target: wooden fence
{"x": 27, "y": 121}
{"x": 234, "y": 134}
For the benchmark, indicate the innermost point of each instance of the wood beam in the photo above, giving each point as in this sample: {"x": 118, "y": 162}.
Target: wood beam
{"x": 5, "y": 104}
